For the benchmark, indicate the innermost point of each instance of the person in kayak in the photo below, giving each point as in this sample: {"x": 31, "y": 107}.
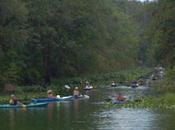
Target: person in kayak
{"x": 50, "y": 94}
{"x": 76, "y": 92}
{"x": 113, "y": 84}
{"x": 120, "y": 97}
{"x": 14, "y": 101}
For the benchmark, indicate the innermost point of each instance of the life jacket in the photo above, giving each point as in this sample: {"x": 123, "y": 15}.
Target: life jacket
{"x": 120, "y": 98}
{"x": 76, "y": 93}
{"x": 13, "y": 101}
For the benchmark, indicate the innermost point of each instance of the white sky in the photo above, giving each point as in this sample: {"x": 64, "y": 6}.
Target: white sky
{"x": 145, "y": 0}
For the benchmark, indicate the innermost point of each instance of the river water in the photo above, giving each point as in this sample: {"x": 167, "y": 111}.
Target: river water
{"x": 89, "y": 115}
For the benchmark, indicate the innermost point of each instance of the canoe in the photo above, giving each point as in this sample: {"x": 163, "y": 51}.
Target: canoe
{"x": 50, "y": 100}
{"x": 24, "y": 106}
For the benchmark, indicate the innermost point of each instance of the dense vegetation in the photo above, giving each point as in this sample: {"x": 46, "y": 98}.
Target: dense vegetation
{"x": 162, "y": 41}
{"x": 166, "y": 101}
{"x": 163, "y": 32}
{"x": 42, "y": 40}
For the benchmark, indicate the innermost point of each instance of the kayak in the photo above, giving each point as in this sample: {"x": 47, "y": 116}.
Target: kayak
{"x": 118, "y": 102}
{"x": 113, "y": 85}
{"x": 81, "y": 97}
{"x": 88, "y": 88}
{"x": 24, "y": 106}
{"x": 134, "y": 86}
{"x": 50, "y": 100}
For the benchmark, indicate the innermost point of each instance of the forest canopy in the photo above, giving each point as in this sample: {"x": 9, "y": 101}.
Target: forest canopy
{"x": 41, "y": 40}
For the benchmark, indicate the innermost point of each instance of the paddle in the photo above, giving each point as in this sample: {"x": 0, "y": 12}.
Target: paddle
{"x": 67, "y": 86}
{"x": 21, "y": 104}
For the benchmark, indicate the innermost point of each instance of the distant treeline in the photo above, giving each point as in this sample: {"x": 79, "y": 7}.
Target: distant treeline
{"x": 162, "y": 33}
{"x": 41, "y": 40}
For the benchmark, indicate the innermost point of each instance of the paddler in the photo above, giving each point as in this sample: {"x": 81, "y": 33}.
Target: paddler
{"x": 120, "y": 97}
{"x": 76, "y": 92}
{"x": 50, "y": 94}
{"x": 14, "y": 101}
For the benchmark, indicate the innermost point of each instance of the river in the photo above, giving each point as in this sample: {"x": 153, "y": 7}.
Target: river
{"x": 89, "y": 115}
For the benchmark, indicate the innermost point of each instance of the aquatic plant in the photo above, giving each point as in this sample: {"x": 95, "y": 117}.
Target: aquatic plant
{"x": 166, "y": 101}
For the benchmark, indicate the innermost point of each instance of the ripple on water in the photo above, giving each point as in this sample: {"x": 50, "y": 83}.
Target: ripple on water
{"x": 126, "y": 119}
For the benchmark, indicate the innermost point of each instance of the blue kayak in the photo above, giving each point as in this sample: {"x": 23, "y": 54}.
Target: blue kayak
{"x": 50, "y": 100}
{"x": 23, "y": 106}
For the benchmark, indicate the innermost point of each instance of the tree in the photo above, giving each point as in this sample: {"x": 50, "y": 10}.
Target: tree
{"x": 12, "y": 38}
{"x": 164, "y": 36}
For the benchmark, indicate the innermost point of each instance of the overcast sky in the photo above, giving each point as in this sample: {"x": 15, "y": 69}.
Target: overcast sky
{"x": 145, "y": 0}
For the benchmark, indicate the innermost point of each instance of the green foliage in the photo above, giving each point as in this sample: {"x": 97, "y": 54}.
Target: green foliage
{"x": 163, "y": 32}
{"x": 164, "y": 102}
{"x": 168, "y": 84}
{"x": 11, "y": 74}
{"x": 12, "y": 38}
{"x": 42, "y": 40}
{"x": 171, "y": 74}
{"x": 118, "y": 76}
{"x": 165, "y": 86}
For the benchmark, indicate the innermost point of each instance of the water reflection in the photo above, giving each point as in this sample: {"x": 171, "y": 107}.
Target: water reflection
{"x": 50, "y": 113}
{"x": 12, "y": 120}
{"x": 88, "y": 115}
{"x": 126, "y": 119}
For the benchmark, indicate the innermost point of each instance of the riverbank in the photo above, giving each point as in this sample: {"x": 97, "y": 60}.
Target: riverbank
{"x": 26, "y": 93}
{"x": 121, "y": 76}
{"x": 167, "y": 84}
{"x": 166, "y": 101}
{"x": 164, "y": 94}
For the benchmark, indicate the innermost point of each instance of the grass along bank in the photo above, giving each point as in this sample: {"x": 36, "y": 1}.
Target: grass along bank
{"x": 105, "y": 79}
{"x": 166, "y": 85}
{"x": 164, "y": 91}
{"x": 26, "y": 93}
